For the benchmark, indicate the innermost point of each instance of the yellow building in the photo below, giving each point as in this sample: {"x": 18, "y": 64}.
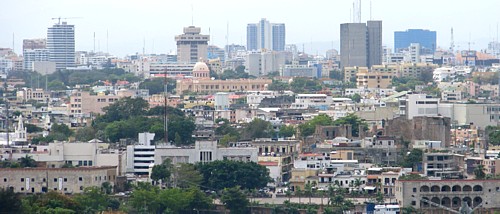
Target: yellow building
{"x": 367, "y": 79}
{"x": 350, "y": 72}
{"x": 415, "y": 69}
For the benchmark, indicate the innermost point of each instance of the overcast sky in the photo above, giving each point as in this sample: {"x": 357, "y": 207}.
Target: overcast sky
{"x": 129, "y": 22}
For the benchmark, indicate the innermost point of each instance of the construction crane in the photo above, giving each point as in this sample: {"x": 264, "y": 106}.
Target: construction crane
{"x": 64, "y": 18}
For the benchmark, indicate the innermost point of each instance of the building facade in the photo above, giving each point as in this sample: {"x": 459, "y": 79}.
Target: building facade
{"x": 361, "y": 44}
{"x": 61, "y": 45}
{"x": 266, "y": 35}
{"x": 63, "y": 180}
{"x": 426, "y": 39}
{"x": 192, "y": 46}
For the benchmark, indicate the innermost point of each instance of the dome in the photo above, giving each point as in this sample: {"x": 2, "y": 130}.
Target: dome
{"x": 201, "y": 66}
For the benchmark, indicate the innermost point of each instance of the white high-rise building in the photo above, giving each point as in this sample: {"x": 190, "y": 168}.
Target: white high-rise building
{"x": 61, "y": 45}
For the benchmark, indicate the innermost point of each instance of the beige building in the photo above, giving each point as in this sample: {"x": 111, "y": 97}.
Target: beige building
{"x": 191, "y": 46}
{"x": 210, "y": 86}
{"x": 350, "y": 72}
{"x": 448, "y": 193}
{"x": 415, "y": 69}
{"x": 38, "y": 95}
{"x": 83, "y": 103}
{"x": 374, "y": 79}
{"x": 64, "y": 180}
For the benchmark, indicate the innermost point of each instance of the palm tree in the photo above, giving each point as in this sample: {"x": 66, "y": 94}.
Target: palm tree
{"x": 358, "y": 183}
{"x": 479, "y": 172}
{"x": 308, "y": 191}
{"x": 27, "y": 161}
{"x": 298, "y": 192}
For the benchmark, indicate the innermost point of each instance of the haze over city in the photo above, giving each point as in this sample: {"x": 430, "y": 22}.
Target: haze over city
{"x": 129, "y": 23}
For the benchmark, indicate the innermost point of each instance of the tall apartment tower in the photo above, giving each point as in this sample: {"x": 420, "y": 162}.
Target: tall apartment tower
{"x": 61, "y": 45}
{"x": 192, "y": 46}
{"x": 34, "y": 50}
{"x": 266, "y": 35}
{"x": 361, "y": 44}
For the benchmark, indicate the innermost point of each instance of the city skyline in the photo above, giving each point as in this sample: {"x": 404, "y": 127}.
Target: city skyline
{"x": 123, "y": 29}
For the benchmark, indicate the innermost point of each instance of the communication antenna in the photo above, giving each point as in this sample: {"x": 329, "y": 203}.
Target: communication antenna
{"x": 107, "y": 40}
{"x": 144, "y": 46}
{"x": 13, "y": 43}
{"x": 192, "y": 15}
{"x": 94, "y": 42}
{"x": 452, "y": 42}
{"x": 371, "y": 10}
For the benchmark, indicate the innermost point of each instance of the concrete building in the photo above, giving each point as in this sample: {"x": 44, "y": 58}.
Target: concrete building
{"x": 443, "y": 165}
{"x": 420, "y": 128}
{"x": 350, "y": 73}
{"x": 448, "y": 193}
{"x": 262, "y": 63}
{"x": 204, "y": 151}
{"x": 373, "y": 79}
{"x": 319, "y": 101}
{"x": 296, "y": 70}
{"x": 361, "y": 44}
{"x": 210, "y": 86}
{"x": 141, "y": 156}
{"x": 34, "y": 50}
{"x": 82, "y": 103}
{"x": 421, "y": 105}
{"x": 63, "y": 180}
{"x": 221, "y": 101}
{"x": 192, "y": 46}
{"x": 266, "y": 35}
{"x": 61, "y": 45}
{"x": 25, "y": 94}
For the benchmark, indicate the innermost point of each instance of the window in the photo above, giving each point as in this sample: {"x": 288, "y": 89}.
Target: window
{"x": 55, "y": 179}
{"x": 44, "y": 180}
{"x": 80, "y": 179}
{"x": 65, "y": 189}
{"x": 414, "y": 189}
{"x": 413, "y": 203}
{"x": 4, "y": 179}
{"x": 81, "y": 187}
{"x": 90, "y": 163}
{"x": 22, "y": 188}
{"x": 22, "y": 179}
{"x": 65, "y": 179}
{"x": 32, "y": 180}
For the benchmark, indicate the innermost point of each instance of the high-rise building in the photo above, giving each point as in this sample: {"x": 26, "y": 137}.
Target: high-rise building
{"x": 61, "y": 45}
{"x": 34, "y": 50}
{"x": 361, "y": 44}
{"x": 426, "y": 39}
{"x": 266, "y": 35}
{"x": 192, "y": 46}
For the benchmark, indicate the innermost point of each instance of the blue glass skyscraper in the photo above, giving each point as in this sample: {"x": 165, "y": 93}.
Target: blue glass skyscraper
{"x": 426, "y": 39}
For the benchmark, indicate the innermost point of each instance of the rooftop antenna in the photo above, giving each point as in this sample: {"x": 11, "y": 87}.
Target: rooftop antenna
{"x": 13, "y": 43}
{"x": 359, "y": 11}
{"x": 353, "y": 12}
{"x": 107, "y": 40}
{"x": 227, "y": 41}
{"x": 452, "y": 42}
{"x": 371, "y": 10}
{"x": 153, "y": 47}
{"x": 94, "y": 42}
{"x": 192, "y": 15}
{"x": 497, "y": 31}
{"x": 144, "y": 46}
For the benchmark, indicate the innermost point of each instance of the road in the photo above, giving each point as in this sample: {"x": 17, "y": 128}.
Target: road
{"x": 304, "y": 200}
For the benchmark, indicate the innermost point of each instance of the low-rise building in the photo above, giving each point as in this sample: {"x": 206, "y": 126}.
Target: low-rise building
{"x": 448, "y": 193}
{"x": 63, "y": 180}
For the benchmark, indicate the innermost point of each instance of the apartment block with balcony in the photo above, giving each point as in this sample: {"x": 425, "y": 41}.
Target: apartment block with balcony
{"x": 443, "y": 165}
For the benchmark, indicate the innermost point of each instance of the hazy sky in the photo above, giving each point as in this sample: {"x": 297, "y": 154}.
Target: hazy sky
{"x": 129, "y": 22}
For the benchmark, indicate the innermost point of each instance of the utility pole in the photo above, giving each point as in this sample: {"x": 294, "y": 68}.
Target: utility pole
{"x": 165, "y": 101}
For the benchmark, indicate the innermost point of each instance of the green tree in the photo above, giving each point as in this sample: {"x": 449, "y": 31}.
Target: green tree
{"x": 356, "y": 98}
{"x": 479, "y": 172}
{"x": 61, "y": 129}
{"x": 235, "y": 200}
{"x": 85, "y": 134}
{"x": 286, "y": 131}
{"x": 277, "y": 85}
{"x": 124, "y": 108}
{"x": 162, "y": 172}
{"x": 10, "y": 202}
{"x": 258, "y": 128}
{"x": 186, "y": 176}
{"x": 218, "y": 175}
{"x": 27, "y": 161}
{"x": 308, "y": 128}
{"x": 412, "y": 159}
{"x": 93, "y": 200}
{"x": 144, "y": 199}
{"x": 30, "y": 128}
{"x": 493, "y": 133}
{"x": 355, "y": 123}
{"x": 337, "y": 74}
{"x": 305, "y": 85}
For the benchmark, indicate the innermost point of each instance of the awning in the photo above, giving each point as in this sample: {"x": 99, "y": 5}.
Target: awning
{"x": 370, "y": 188}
